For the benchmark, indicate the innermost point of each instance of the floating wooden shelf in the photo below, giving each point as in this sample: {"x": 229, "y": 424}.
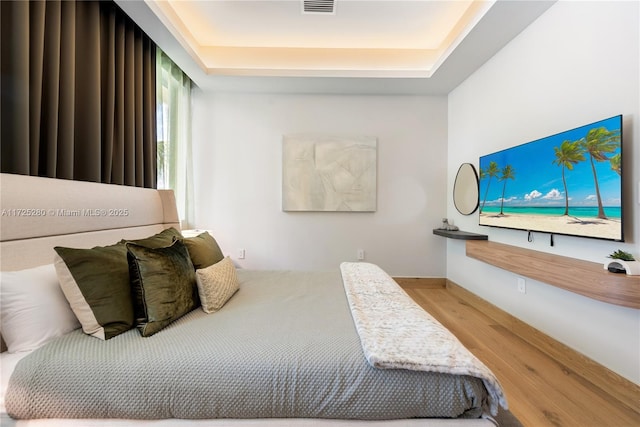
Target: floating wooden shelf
{"x": 461, "y": 235}
{"x": 582, "y": 277}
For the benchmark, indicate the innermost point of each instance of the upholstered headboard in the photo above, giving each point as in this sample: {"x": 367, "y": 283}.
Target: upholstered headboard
{"x": 40, "y": 213}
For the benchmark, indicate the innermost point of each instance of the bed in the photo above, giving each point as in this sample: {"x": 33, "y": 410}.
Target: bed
{"x": 283, "y": 348}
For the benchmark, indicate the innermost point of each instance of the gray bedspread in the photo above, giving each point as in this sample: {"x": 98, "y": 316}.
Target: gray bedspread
{"x": 284, "y": 346}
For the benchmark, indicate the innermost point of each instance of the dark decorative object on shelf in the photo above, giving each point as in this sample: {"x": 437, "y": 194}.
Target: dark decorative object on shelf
{"x": 616, "y": 268}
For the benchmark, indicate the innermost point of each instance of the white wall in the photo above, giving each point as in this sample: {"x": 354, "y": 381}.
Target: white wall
{"x": 576, "y": 64}
{"x": 238, "y": 168}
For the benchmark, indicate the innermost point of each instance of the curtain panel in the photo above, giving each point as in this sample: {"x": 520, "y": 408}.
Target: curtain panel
{"x": 175, "y": 165}
{"x": 78, "y": 93}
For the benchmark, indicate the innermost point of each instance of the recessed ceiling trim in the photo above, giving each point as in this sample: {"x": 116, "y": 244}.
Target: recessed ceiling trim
{"x": 316, "y": 61}
{"x": 319, "y": 62}
{"x": 469, "y": 20}
{"x": 319, "y": 7}
{"x": 179, "y": 30}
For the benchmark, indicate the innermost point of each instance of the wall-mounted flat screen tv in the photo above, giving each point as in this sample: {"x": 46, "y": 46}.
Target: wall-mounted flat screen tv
{"x": 569, "y": 183}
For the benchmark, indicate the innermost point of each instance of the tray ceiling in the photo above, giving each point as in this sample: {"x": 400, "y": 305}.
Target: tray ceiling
{"x": 358, "y": 39}
{"x": 223, "y": 42}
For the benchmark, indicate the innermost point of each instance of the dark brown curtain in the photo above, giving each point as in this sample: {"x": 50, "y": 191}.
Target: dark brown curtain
{"x": 78, "y": 93}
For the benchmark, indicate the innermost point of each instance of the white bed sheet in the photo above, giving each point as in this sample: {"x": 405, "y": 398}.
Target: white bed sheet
{"x": 8, "y": 362}
{"x": 269, "y": 422}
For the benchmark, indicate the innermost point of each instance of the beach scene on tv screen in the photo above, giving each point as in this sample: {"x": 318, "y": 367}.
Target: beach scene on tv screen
{"x": 568, "y": 183}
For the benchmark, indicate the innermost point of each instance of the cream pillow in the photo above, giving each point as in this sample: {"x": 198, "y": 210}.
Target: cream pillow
{"x": 216, "y": 284}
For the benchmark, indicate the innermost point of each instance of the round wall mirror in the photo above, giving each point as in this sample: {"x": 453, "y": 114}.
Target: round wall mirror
{"x": 465, "y": 189}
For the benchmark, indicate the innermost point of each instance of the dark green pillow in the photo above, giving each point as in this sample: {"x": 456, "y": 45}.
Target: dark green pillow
{"x": 163, "y": 285}
{"x": 203, "y": 250}
{"x": 96, "y": 284}
{"x": 160, "y": 240}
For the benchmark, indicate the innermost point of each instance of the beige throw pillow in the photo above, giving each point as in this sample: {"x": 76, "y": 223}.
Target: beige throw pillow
{"x": 216, "y": 284}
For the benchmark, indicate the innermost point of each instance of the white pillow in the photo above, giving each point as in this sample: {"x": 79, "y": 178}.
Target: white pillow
{"x": 33, "y": 308}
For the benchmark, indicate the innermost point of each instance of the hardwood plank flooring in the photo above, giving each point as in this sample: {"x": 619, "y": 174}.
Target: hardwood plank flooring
{"x": 541, "y": 390}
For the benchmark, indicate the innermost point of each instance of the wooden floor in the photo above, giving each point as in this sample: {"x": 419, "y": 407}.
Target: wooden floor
{"x": 540, "y": 390}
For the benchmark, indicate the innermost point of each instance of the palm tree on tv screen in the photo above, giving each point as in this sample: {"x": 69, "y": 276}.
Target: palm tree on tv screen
{"x": 616, "y": 164}
{"x": 568, "y": 155}
{"x": 598, "y": 143}
{"x": 507, "y": 173}
{"x": 490, "y": 171}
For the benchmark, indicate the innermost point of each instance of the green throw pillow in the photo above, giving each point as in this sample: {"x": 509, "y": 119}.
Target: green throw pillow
{"x": 203, "y": 250}
{"x": 160, "y": 240}
{"x": 163, "y": 285}
{"x": 96, "y": 283}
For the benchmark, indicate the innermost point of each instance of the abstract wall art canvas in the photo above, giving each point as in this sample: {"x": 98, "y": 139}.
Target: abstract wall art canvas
{"x": 329, "y": 173}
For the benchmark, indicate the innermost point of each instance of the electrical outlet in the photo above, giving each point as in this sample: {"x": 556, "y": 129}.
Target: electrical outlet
{"x": 241, "y": 253}
{"x": 522, "y": 285}
{"x": 360, "y": 254}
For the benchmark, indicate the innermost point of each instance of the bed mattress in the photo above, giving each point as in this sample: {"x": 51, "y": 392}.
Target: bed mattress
{"x": 285, "y": 346}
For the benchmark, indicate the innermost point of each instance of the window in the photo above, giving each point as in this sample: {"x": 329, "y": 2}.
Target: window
{"x": 174, "y": 135}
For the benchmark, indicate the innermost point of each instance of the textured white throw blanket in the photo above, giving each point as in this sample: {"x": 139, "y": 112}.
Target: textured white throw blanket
{"x": 396, "y": 333}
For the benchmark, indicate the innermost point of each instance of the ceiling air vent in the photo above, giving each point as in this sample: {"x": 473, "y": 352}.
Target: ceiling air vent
{"x": 319, "y": 7}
